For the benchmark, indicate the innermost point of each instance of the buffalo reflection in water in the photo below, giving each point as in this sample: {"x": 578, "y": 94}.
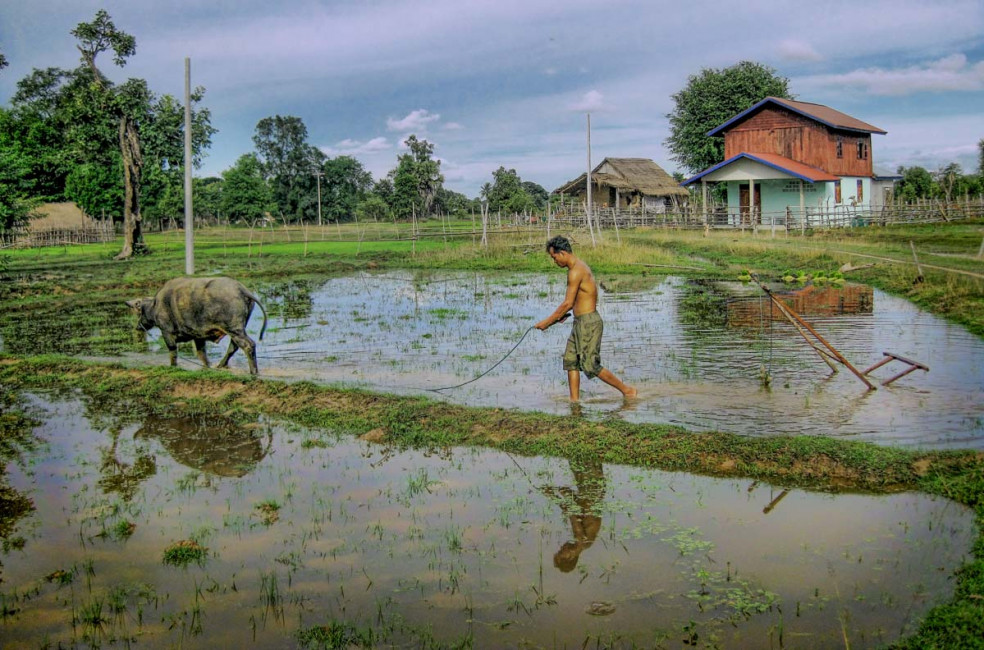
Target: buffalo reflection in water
{"x": 210, "y": 444}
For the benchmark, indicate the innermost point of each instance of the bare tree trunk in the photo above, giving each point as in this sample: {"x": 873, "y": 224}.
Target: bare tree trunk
{"x": 133, "y": 243}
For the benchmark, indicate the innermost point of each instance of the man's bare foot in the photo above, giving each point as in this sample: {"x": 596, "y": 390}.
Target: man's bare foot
{"x": 630, "y": 392}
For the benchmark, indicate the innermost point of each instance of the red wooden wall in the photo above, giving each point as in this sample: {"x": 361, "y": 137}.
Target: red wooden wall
{"x": 778, "y": 131}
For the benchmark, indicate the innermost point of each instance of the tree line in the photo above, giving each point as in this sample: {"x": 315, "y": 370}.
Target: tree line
{"x": 117, "y": 151}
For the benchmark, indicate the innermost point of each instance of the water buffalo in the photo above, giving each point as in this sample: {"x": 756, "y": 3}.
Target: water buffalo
{"x": 199, "y": 310}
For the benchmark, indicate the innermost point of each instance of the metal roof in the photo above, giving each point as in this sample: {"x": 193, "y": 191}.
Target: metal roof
{"x": 818, "y": 112}
{"x": 781, "y": 163}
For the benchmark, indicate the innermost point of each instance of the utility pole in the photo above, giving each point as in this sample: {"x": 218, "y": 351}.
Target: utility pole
{"x": 587, "y": 179}
{"x": 189, "y": 215}
{"x": 318, "y": 174}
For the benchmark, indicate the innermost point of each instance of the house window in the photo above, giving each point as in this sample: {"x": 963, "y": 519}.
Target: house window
{"x": 862, "y": 150}
{"x": 840, "y": 147}
{"x": 860, "y": 192}
{"x": 837, "y": 191}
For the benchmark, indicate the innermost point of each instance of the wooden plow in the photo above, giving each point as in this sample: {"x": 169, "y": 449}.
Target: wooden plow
{"x": 829, "y": 353}
{"x": 913, "y": 365}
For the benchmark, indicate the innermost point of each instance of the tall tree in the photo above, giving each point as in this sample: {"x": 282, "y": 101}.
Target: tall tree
{"x": 980, "y": 158}
{"x": 506, "y": 191}
{"x": 74, "y": 127}
{"x": 451, "y": 202}
{"x": 711, "y": 98}
{"x": 537, "y": 192}
{"x": 289, "y": 163}
{"x": 344, "y": 185}
{"x": 916, "y": 183}
{"x": 95, "y": 38}
{"x": 245, "y": 195}
{"x": 208, "y": 197}
{"x": 416, "y": 179}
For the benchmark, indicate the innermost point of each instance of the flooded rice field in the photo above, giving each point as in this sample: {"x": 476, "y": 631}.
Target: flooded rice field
{"x": 696, "y": 352}
{"x": 198, "y": 533}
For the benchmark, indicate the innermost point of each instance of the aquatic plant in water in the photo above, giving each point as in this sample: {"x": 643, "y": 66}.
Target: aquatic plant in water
{"x": 184, "y": 552}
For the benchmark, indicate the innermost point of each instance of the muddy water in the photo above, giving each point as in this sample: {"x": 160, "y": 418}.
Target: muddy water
{"x": 695, "y": 352}
{"x": 466, "y": 545}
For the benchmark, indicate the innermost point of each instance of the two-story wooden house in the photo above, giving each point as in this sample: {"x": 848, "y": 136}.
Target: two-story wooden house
{"x": 793, "y": 162}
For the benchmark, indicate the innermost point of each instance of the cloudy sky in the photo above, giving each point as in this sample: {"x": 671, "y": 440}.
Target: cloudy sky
{"x": 508, "y": 82}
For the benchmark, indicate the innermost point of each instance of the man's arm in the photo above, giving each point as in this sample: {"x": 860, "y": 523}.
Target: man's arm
{"x": 574, "y": 278}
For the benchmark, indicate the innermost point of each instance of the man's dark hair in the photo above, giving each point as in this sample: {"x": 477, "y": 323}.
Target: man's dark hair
{"x": 559, "y": 243}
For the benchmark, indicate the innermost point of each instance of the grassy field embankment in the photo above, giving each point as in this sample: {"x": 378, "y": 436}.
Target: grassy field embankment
{"x": 952, "y": 286}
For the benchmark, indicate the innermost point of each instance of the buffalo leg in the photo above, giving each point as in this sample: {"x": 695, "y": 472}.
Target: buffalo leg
{"x": 249, "y": 349}
{"x": 200, "y": 351}
{"x": 228, "y": 355}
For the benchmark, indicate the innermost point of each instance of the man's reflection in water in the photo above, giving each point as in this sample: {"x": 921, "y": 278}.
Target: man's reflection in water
{"x": 580, "y": 506}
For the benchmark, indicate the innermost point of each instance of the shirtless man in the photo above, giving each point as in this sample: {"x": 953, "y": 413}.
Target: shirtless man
{"x": 583, "y": 351}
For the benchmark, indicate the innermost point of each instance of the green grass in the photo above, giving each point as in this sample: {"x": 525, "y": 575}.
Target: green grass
{"x": 60, "y": 275}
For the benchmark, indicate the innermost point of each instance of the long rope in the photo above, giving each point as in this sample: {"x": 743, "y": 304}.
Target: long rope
{"x": 435, "y": 390}
{"x": 464, "y": 383}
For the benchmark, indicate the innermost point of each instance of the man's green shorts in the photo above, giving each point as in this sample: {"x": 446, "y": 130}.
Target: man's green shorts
{"x": 584, "y": 345}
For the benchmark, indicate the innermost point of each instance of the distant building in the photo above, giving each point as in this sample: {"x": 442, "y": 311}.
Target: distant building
{"x": 626, "y": 183}
{"x": 56, "y": 224}
{"x": 796, "y": 159}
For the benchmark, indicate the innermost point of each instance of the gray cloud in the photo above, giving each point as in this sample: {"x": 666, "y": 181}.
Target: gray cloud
{"x": 951, "y": 73}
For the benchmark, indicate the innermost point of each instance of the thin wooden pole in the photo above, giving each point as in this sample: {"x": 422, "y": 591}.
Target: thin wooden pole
{"x": 802, "y": 208}
{"x": 587, "y": 181}
{"x": 920, "y": 277}
{"x": 820, "y": 351}
{"x": 189, "y": 213}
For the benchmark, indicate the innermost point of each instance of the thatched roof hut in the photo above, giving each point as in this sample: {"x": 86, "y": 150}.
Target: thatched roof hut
{"x": 62, "y": 223}
{"x": 59, "y": 216}
{"x": 626, "y": 183}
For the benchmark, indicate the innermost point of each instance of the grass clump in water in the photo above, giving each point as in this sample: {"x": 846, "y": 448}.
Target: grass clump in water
{"x": 335, "y": 635}
{"x": 269, "y": 511}
{"x": 184, "y": 553}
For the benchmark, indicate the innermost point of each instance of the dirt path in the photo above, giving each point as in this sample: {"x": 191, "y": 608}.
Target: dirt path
{"x": 910, "y": 263}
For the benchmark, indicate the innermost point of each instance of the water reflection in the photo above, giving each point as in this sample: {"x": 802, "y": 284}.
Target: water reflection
{"x": 209, "y": 444}
{"x": 751, "y": 311}
{"x": 119, "y": 476}
{"x": 581, "y": 505}
{"x": 453, "y": 548}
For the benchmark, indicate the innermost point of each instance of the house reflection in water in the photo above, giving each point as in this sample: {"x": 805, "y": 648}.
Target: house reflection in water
{"x": 811, "y": 300}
